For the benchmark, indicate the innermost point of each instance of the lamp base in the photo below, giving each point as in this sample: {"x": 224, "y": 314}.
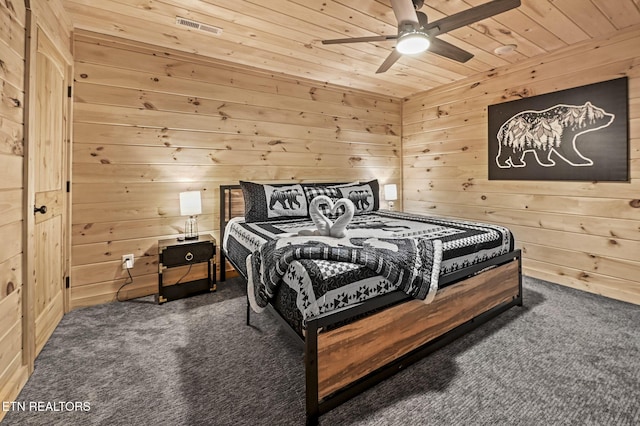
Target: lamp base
{"x": 191, "y": 229}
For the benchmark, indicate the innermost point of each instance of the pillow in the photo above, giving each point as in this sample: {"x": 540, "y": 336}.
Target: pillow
{"x": 366, "y": 200}
{"x": 365, "y": 196}
{"x": 312, "y": 192}
{"x": 270, "y": 202}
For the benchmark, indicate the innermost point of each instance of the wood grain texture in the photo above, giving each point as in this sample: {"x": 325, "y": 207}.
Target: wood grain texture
{"x": 10, "y": 276}
{"x": 11, "y": 205}
{"x": 10, "y": 313}
{"x": 284, "y": 36}
{"x": 12, "y": 379}
{"x": 10, "y": 350}
{"x": 148, "y": 126}
{"x": 581, "y": 234}
{"x": 105, "y": 291}
{"x": 13, "y": 374}
{"x": 354, "y": 350}
{"x": 47, "y": 173}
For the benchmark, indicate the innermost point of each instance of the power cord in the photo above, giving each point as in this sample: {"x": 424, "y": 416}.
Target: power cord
{"x": 185, "y": 274}
{"x": 130, "y": 280}
{"x": 126, "y": 282}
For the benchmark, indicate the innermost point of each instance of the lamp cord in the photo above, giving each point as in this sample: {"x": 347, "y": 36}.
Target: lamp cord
{"x": 185, "y": 274}
{"x": 130, "y": 280}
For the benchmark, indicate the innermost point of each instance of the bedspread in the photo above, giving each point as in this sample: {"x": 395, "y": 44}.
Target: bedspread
{"x": 411, "y": 265}
{"x": 316, "y": 286}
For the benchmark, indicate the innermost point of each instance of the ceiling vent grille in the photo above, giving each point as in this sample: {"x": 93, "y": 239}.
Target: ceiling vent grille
{"x": 198, "y": 25}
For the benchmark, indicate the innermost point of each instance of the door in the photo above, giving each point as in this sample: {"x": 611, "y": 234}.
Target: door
{"x": 49, "y": 176}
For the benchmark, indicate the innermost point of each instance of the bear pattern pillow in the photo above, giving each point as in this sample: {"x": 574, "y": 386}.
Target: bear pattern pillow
{"x": 271, "y": 202}
{"x": 365, "y": 196}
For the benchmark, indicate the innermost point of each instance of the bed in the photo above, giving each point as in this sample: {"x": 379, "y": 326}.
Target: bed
{"x": 358, "y": 323}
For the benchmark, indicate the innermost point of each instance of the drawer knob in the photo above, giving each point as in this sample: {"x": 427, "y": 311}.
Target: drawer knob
{"x": 188, "y": 257}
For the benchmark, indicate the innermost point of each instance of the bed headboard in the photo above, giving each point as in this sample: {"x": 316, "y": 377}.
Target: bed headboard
{"x": 231, "y": 205}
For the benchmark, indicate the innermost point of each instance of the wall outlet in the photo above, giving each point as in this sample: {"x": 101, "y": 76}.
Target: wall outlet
{"x": 127, "y": 261}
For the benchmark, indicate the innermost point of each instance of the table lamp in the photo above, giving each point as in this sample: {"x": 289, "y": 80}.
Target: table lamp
{"x": 390, "y": 194}
{"x": 190, "y": 205}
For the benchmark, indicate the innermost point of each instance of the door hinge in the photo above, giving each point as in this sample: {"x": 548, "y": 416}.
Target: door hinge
{"x": 68, "y": 186}
{"x": 69, "y": 91}
{"x": 67, "y": 282}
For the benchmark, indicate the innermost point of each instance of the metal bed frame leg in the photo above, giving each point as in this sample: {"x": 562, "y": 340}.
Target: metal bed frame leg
{"x": 520, "y": 298}
{"x": 311, "y": 373}
{"x": 248, "y": 312}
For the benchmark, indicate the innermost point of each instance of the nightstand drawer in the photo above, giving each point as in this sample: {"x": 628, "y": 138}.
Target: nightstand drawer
{"x": 186, "y": 254}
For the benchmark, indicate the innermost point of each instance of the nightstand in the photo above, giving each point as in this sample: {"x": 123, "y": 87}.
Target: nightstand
{"x": 186, "y": 268}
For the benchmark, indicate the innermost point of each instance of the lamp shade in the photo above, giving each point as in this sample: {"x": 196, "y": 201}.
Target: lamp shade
{"x": 190, "y": 204}
{"x": 390, "y": 192}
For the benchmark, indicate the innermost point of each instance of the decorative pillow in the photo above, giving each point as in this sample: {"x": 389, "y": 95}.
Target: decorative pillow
{"x": 312, "y": 192}
{"x": 365, "y": 196}
{"x": 270, "y": 202}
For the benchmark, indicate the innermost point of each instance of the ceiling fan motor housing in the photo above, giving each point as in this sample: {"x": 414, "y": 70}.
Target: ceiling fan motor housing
{"x": 407, "y": 27}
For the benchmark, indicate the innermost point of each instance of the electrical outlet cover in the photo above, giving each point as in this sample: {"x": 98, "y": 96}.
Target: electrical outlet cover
{"x": 127, "y": 261}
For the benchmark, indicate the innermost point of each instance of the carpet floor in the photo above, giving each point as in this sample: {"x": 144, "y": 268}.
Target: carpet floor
{"x": 565, "y": 358}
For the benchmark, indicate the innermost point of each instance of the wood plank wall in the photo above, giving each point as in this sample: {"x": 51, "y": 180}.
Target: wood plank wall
{"x": 15, "y": 363}
{"x": 580, "y": 234}
{"x": 13, "y": 374}
{"x": 150, "y": 123}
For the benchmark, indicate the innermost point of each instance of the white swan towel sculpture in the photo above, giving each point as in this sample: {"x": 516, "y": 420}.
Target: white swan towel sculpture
{"x": 324, "y": 225}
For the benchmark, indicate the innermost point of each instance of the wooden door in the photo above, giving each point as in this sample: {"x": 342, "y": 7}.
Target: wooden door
{"x": 50, "y": 129}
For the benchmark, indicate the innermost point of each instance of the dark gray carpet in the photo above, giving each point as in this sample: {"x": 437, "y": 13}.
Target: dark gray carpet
{"x": 565, "y": 358}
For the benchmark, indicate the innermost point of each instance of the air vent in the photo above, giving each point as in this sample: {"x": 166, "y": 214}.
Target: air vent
{"x": 198, "y": 25}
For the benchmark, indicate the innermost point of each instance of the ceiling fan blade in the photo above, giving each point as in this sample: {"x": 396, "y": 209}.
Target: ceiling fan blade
{"x": 470, "y": 16}
{"x": 405, "y": 12}
{"x": 360, "y": 39}
{"x": 391, "y": 59}
{"x": 448, "y": 50}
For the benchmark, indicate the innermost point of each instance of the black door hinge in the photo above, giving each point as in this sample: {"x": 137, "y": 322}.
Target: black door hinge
{"x": 67, "y": 281}
{"x": 69, "y": 91}
{"x": 68, "y": 186}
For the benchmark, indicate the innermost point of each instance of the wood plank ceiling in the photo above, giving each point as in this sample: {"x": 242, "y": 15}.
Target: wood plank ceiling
{"x": 284, "y": 36}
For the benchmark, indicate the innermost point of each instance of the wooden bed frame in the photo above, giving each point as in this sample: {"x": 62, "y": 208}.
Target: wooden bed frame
{"x": 342, "y": 361}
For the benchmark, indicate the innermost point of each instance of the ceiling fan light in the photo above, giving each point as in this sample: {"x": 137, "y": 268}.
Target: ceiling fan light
{"x": 412, "y": 43}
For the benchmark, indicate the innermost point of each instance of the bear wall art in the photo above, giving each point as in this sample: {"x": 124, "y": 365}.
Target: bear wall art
{"x": 574, "y": 134}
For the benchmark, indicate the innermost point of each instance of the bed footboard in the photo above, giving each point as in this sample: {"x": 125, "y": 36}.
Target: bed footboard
{"x": 343, "y": 362}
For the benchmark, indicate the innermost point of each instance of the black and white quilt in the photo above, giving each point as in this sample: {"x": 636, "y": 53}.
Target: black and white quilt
{"x": 409, "y": 264}
{"x": 382, "y": 252}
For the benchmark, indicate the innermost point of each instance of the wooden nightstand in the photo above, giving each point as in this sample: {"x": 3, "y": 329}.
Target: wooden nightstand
{"x": 186, "y": 268}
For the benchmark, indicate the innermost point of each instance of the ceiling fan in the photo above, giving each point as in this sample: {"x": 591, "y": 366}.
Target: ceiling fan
{"x": 416, "y": 34}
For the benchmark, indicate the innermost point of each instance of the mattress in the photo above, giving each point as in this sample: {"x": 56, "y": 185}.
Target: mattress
{"x": 311, "y": 287}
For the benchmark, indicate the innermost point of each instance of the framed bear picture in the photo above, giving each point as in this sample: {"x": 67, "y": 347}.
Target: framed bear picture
{"x": 579, "y": 134}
